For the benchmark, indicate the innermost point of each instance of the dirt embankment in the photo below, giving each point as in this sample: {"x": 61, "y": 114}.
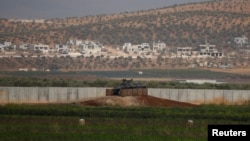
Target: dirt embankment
{"x": 134, "y": 101}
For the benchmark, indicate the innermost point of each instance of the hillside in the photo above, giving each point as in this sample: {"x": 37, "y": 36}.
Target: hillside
{"x": 179, "y": 25}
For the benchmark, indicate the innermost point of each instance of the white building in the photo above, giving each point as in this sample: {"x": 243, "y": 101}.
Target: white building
{"x": 24, "y": 46}
{"x": 42, "y": 48}
{"x": 142, "y": 48}
{"x": 184, "y": 51}
{"x": 1, "y": 48}
{"x": 159, "y": 46}
{"x": 90, "y": 47}
{"x": 7, "y": 44}
{"x": 126, "y": 46}
{"x": 23, "y": 69}
{"x": 208, "y": 50}
{"x": 62, "y": 49}
{"x": 202, "y": 81}
{"x": 78, "y": 42}
{"x": 241, "y": 41}
{"x": 75, "y": 42}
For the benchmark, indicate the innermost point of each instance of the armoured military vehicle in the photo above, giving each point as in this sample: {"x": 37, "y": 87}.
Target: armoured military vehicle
{"x": 128, "y": 88}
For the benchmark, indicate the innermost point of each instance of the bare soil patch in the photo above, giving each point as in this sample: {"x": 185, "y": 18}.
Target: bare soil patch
{"x": 133, "y": 101}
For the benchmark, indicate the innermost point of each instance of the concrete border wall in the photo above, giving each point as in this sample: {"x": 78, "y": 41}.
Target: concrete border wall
{"x": 203, "y": 96}
{"x": 48, "y": 94}
{"x": 65, "y": 94}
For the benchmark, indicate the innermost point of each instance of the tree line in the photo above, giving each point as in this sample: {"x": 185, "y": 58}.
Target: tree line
{"x": 44, "y": 82}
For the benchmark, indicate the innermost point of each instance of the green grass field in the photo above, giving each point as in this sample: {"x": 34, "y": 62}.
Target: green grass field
{"x": 61, "y": 122}
{"x": 147, "y": 73}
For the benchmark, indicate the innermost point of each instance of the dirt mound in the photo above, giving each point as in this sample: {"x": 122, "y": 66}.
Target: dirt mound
{"x": 134, "y": 101}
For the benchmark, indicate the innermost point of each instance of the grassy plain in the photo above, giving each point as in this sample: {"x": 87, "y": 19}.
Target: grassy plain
{"x": 61, "y": 122}
{"x": 221, "y": 74}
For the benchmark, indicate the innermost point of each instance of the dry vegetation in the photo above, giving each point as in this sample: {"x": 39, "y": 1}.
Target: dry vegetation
{"x": 79, "y": 63}
{"x": 181, "y": 25}
{"x": 102, "y": 63}
{"x": 188, "y": 24}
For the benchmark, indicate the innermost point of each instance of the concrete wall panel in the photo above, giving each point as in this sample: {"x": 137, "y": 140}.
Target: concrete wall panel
{"x": 24, "y": 94}
{"x": 61, "y": 94}
{"x": 208, "y": 96}
{"x": 245, "y": 95}
{"x": 82, "y": 93}
{"x": 161, "y": 93}
{"x": 91, "y": 92}
{"x": 154, "y": 92}
{"x": 33, "y": 94}
{"x": 165, "y": 93}
{"x": 13, "y": 94}
{"x": 28, "y": 94}
{"x": 72, "y": 94}
{"x": 43, "y": 94}
{"x": 228, "y": 96}
{"x": 183, "y": 95}
{"x": 174, "y": 94}
{"x": 4, "y": 94}
{"x": 53, "y": 94}
{"x": 218, "y": 97}
{"x": 241, "y": 96}
{"x": 196, "y": 96}
{"x": 100, "y": 92}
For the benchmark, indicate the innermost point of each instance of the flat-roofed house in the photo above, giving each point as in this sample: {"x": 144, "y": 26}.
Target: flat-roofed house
{"x": 7, "y": 44}
{"x": 1, "y": 48}
{"x": 184, "y": 51}
{"x": 41, "y": 47}
{"x": 141, "y": 48}
{"x": 63, "y": 49}
{"x": 126, "y": 46}
{"x": 91, "y": 47}
{"x": 158, "y": 46}
{"x": 209, "y": 50}
{"x": 23, "y": 46}
{"x": 241, "y": 41}
{"x": 75, "y": 42}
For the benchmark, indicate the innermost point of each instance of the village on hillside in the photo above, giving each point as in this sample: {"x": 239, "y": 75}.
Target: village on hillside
{"x": 85, "y": 48}
{"x": 76, "y": 47}
{"x": 211, "y": 34}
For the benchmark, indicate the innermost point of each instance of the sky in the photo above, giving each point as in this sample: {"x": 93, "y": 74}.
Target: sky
{"x": 47, "y": 9}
